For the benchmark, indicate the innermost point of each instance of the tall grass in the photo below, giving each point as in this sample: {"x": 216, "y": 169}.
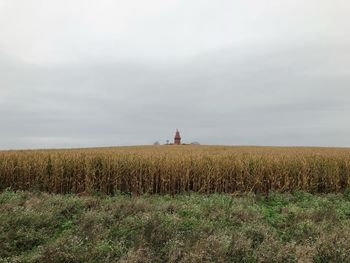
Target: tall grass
{"x": 175, "y": 169}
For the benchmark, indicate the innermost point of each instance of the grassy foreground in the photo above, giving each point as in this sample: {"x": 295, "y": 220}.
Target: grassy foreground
{"x": 299, "y": 227}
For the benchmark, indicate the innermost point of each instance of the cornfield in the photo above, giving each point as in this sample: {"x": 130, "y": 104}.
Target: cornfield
{"x": 177, "y": 169}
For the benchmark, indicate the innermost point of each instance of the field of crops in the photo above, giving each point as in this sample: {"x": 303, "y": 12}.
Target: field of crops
{"x": 177, "y": 169}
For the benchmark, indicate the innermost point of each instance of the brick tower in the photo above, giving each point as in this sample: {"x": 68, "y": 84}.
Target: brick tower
{"x": 177, "y": 139}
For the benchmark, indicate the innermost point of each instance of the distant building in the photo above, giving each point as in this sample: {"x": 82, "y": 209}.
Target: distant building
{"x": 177, "y": 139}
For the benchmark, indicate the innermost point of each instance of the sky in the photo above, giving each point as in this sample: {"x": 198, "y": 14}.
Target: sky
{"x": 83, "y": 73}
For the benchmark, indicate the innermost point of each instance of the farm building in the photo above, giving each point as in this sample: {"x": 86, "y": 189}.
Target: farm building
{"x": 177, "y": 138}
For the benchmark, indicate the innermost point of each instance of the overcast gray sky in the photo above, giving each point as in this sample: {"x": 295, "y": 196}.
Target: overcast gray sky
{"x": 79, "y": 73}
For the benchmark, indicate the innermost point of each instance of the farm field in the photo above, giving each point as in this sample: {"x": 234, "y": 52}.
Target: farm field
{"x": 177, "y": 169}
{"x": 175, "y": 204}
{"x": 298, "y": 227}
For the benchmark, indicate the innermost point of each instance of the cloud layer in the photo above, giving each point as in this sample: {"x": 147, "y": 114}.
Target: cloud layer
{"x": 88, "y": 73}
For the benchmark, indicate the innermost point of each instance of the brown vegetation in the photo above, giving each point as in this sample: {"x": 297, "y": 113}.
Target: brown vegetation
{"x": 204, "y": 169}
